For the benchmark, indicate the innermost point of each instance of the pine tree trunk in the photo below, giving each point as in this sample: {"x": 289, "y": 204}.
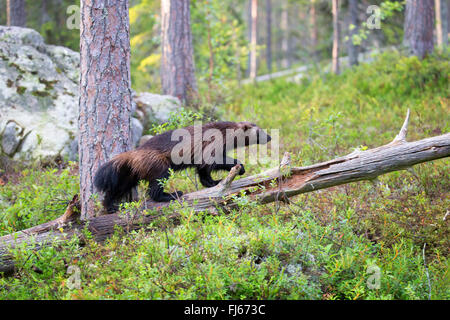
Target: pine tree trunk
{"x": 249, "y": 36}
{"x": 284, "y": 24}
{"x": 290, "y": 39}
{"x": 278, "y": 36}
{"x": 177, "y": 59}
{"x": 237, "y": 55}
{"x": 419, "y": 27}
{"x": 313, "y": 33}
{"x": 105, "y": 90}
{"x": 353, "y": 29}
{"x": 441, "y": 23}
{"x": 269, "y": 35}
{"x": 15, "y": 13}
{"x": 254, "y": 38}
{"x": 335, "y": 54}
{"x": 44, "y": 11}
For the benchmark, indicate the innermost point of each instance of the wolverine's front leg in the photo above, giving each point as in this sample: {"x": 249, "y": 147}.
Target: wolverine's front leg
{"x": 229, "y": 163}
{"x": 156, "y": 189}
{"x": 204, "y": 174}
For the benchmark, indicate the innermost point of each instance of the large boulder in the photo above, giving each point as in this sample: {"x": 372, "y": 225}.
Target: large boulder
{"x": 38, "y": 93}
{"x": 39, "y": 98}
{"x": 154, "y": 108}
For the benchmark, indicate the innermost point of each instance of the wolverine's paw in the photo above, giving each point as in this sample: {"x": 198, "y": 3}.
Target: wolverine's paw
{"x": 209, "y": 183}
{"x": 215, "y": 182}
{"x": 241, "y": 170}
{"x": 166, "y": 197}
{"x": 176, "y": 195}
{"x": 111, "y": 209}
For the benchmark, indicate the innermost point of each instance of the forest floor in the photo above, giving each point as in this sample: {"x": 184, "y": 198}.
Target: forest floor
{"x": 386, "y": 239}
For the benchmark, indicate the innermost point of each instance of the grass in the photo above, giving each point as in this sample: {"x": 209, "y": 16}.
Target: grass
{"x": 364, "y": 240}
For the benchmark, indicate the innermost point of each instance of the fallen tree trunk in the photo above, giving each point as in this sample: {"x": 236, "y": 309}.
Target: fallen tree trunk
{"x": 359, "y": 165}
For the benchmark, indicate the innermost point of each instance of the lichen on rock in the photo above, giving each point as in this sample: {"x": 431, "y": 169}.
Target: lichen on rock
{"x": 39, "y": 96}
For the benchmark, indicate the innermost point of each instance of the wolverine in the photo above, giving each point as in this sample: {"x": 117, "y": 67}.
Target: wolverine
{"x": 203, "y": 147}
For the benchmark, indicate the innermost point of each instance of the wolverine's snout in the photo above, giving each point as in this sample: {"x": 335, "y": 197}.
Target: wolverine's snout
{"x": 263, "y": 137}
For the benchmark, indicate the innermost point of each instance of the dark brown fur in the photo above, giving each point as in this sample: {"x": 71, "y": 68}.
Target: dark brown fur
{"x": 152, "y": 160}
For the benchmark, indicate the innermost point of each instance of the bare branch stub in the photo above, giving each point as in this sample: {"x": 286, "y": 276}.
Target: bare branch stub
{"x": 401, "y": 137}
{"x": 225, "y": 184}
{"x": 285, "y": 164}
{"x": 284, "y": 171}
{"x": 73, "y": 210}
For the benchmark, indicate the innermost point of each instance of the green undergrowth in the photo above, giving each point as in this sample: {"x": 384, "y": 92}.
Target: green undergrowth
{"x": 381, "y": 239}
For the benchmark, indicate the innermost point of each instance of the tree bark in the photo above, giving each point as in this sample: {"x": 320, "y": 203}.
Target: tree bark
{"x": 269, "y": 35}
{"x": 177, "y": 59}
{"x": 313, "y": 32}
{"x": 15, "y": 13}
{"x": 359, "y": 165}
{"x": 44, "y": 12}
{"x": 284, "y": 24}
{"x": 353, "y": 30}
{"x": 419, "y": 27}
{"x": 335, "y": 53}
{"x": 441, "y": 23}
{"x": 105, "y": 90}
{"x": 278, "y": 36}
{"x": 253, "y": 38}
{"x": 211, "y": 58}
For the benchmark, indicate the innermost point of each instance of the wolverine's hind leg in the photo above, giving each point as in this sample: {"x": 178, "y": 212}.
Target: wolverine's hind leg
{"x": 113, "y": 197}
{"x": 156, "y": 189}
{"x": 109, "y": 203}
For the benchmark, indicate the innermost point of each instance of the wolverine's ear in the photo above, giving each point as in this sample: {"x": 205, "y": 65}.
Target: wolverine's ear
{"x": 245, "y": 125}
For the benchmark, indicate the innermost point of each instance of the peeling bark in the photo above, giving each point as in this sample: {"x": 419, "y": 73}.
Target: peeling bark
{"x": 105, "y": 90}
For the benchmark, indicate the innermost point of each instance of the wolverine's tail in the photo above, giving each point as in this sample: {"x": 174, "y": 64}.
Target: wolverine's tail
{"x": 116, "y": 179}
{"x": 107, "y": 177}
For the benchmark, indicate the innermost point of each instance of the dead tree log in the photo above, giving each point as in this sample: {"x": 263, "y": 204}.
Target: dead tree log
{"x": 291, "y": 181}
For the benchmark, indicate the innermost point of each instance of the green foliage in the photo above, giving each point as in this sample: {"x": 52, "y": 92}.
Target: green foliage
{"x": 214, "y": 23}
{"x": 145, "y": 44}
{"x": 51, "y": 23}
{"x": 362, "y": 106}
{"x": 218, "y": 24}
{"x": 387, "y": 9}
{"x": 41, "y": 196}
{"x": 178, "y": 119}
{"x": 358, "y": 241}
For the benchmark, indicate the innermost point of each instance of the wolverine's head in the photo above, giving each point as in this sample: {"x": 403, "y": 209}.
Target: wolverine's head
{"x": 253, "y": 134}
{"x": 245, "y": 134}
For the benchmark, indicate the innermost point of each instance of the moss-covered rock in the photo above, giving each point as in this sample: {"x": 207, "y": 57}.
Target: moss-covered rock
{"x": 39, "y": 94}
